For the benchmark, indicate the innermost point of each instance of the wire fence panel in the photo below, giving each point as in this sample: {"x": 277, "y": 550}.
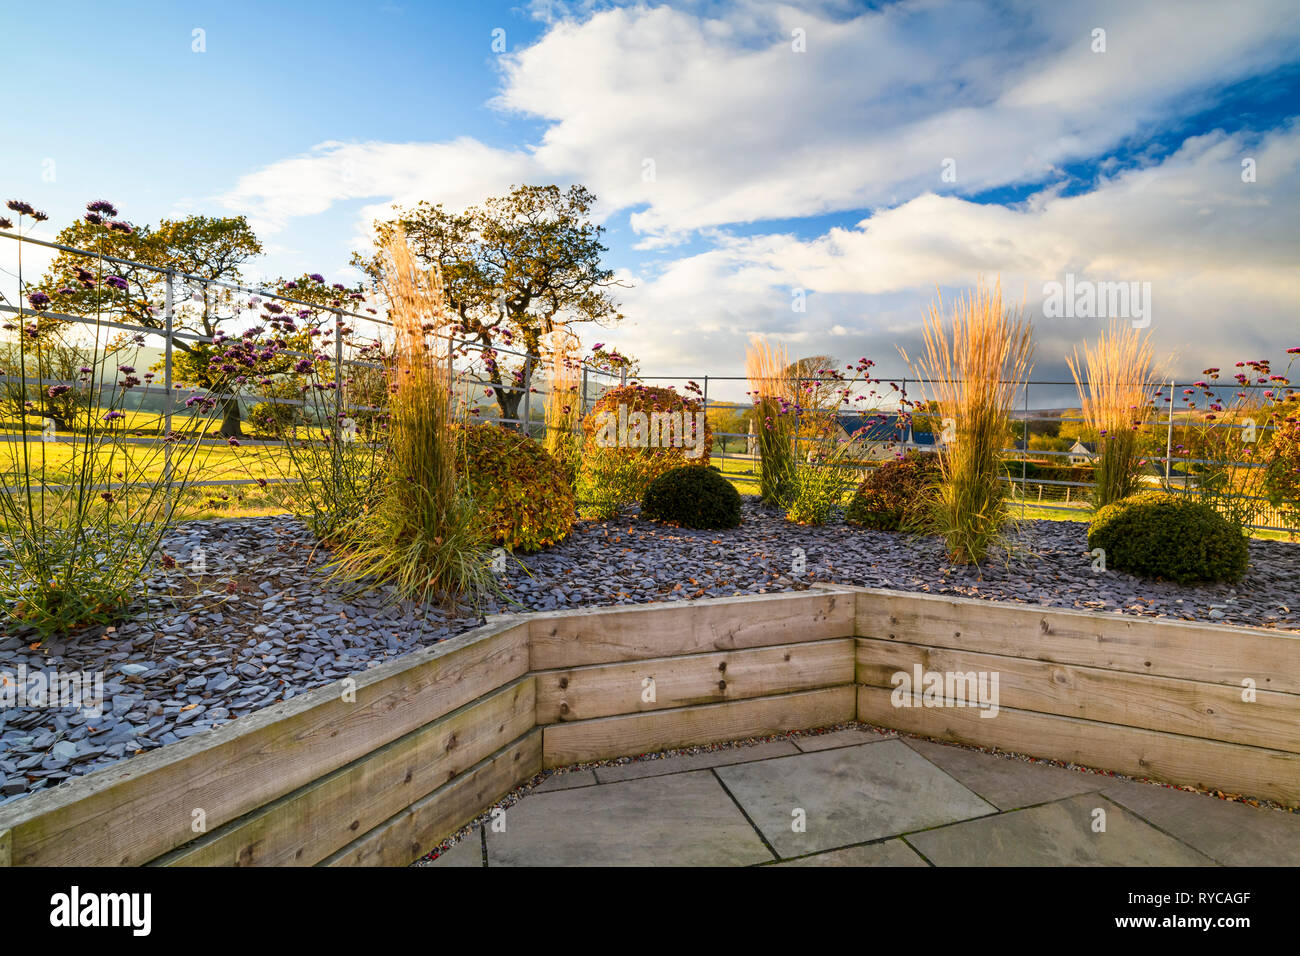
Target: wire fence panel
{"x": 883, "y": 415}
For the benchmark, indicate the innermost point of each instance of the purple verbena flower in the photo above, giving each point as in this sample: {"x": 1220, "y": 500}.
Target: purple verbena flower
{"x": 314, "y": 277}
{"x": 117, "y": 282}
{"x": 104, "y": 206}
{"x": 39, "y": 300}
{"x": 20, "y": 207}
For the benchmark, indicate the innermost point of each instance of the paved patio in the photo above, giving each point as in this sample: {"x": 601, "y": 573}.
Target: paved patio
{"x": 855, "y": 798}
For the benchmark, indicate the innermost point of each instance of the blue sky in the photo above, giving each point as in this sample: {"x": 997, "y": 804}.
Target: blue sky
{"x": 775, "y": 168}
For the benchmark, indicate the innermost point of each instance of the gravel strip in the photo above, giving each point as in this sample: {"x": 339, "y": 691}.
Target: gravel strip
{"x": 240, "y": 615}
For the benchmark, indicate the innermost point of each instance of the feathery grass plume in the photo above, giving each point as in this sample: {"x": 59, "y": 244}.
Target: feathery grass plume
{"x": 564, "y": 403}
{"x": 1117, "y": 402}
{"x": 773, "y": 393}
{"x": 424, "y": 536}
{"x": 973, "y": 366}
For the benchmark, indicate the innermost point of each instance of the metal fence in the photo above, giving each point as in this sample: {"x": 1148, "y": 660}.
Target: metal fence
{"x": 469, "y": 375}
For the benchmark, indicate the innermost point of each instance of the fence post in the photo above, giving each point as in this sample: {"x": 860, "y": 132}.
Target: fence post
{"x": 451, "y": 371}
{"x": 911, "y": 419}
{"x": 1169, "y": 436}
{"x": 583, "y": 405}
{"x": 798, "y": 400}
{"x": 528, "y": 390}
{"x": 168, "y": 306}
{"x": 338, "y": 371}
{"x": 1024, "y": 456}
{"x": 704, "y": 404}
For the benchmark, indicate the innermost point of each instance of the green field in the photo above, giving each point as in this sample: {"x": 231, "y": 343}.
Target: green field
{"x": 253, "y": 460}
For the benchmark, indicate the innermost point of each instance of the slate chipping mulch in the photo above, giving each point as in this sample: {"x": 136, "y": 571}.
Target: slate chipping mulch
{"x": 254, "y": 621}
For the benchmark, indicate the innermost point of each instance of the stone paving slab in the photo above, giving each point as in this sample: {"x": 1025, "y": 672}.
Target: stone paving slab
{"x": 566, "y": 781}
{"x": 888, "y": 853}
{"x": 1056, "y": 834}
{"x": 890, "y": 802}
{"x": 838, "y": 738}
{"x": 1232, "y": 833}
{"x": 699, "y": 761}
{"x": 1006, "y": 782}
{"x": 468, "y": 852}
{"x": 684, "y": 819}
{"x": 849, "y": 795}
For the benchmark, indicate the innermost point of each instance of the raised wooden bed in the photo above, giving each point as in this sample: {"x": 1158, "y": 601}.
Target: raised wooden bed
{"x": 1151, "y": 698}
{"x": 380, "y": 772}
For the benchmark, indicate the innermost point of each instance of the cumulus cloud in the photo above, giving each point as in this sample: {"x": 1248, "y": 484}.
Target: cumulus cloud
{"x": 710, "y": 118}
{"x": 457, "y": 173}
{"x": 696, "y": 118}
{"x": 1219, "y": 254}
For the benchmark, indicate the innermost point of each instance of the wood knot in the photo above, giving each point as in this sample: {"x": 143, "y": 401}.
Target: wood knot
{"x": 722, "y": 685}
{"x": 564, "y": 682}
{"x": 722, "y": 666}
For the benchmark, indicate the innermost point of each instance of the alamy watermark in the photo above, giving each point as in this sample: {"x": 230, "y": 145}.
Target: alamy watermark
{"x": 946, "y": 689}
{"x": 82, "y": 690}
{"x": 637, "y": 429}
{"x": 1085, "y": 299}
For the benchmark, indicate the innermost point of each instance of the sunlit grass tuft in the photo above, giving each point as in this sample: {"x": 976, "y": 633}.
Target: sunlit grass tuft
{"x": 973, "y": 366}
{"x": 424, "y": 535}
{"x": 1117, "y": 402}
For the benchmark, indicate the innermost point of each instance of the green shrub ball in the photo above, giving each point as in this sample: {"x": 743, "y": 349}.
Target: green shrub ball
{"x": 1164, "y": 536}
{"x": 692, "y": 497}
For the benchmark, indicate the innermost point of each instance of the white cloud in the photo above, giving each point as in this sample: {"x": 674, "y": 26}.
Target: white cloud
{"x": 741, "y": 129}
{"x": 1218, "y": 252}
{"x": 458, "y": 174}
